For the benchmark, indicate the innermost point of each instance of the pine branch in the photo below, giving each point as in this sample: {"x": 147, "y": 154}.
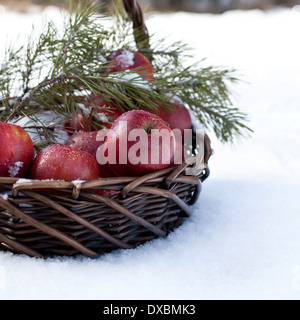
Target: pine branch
{"x": 58, "y": 71}
{"x": 45, "y": 83}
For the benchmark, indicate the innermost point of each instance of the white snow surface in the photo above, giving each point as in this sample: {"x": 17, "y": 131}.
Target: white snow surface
{"x": 243, "y": 239}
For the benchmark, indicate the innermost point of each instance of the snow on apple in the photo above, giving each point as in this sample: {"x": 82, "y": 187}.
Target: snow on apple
{"x": 105, "y": 110}
{"x": 123, "y": 60}
{"x": 15, "y": 168}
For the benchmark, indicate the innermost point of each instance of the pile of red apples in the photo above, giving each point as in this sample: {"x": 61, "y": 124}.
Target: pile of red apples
{"x": 78, "y": 158}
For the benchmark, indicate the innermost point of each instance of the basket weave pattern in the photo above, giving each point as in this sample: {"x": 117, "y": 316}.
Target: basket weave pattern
{"x": 79, "y": 221}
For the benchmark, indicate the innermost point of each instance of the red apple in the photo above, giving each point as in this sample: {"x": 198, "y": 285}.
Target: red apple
{"x": 123, "y": 60}
{"x": 142, "y": 143}
{"x": 88, "y": 142}
{"x": 78, "y": 122}
{"x": 82, "y": 122}
{"x": 59, "y": 162}
{"x": 178, "y": 117}
{"x": 16, "y": 151}
{"x": 85, "y": 141}
{"x": 108, "y": 109}
{"x": 107, "y": 193}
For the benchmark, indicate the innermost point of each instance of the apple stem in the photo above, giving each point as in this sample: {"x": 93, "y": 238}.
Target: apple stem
{"x": 151, "y": 124}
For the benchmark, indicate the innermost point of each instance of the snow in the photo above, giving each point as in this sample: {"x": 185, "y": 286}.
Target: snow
{"x": 4, "y": 196}
{"x": 23, "y": 180}
{"x": 125, "y": 59}
{"x": 133, "y": 77}
{"x": 15, "y": 168}
{"x": 78, "y": 182}
{"x": 102, "y": 116}
{"x": 243, "y": 239}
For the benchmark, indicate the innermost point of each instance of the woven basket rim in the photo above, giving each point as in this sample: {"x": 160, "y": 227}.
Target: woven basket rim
{"x": 17, "y": 215}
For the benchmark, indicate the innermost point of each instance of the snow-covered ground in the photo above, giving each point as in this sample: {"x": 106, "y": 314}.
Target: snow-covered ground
{"x": 243, "y": 240}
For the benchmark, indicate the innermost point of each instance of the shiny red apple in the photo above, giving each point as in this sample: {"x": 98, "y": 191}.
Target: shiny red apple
{"x": 123, "y": 60}
{"x": 85, "y": 141}
{"x": 60, "y": 162}
{"x": 16, "y": 151}
{"x": 142, "y": 143}
{"x": 88, "y": 142}
{"x": 178, "y": 117}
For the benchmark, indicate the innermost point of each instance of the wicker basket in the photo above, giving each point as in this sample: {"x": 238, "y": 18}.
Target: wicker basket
{"x": 74, "y": 220}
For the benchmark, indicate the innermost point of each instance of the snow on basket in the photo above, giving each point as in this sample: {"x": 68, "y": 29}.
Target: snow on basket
{"x": 45, "y": 216}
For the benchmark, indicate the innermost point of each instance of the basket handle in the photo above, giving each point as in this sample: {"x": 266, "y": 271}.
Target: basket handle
{"x": 141, "y": 34}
